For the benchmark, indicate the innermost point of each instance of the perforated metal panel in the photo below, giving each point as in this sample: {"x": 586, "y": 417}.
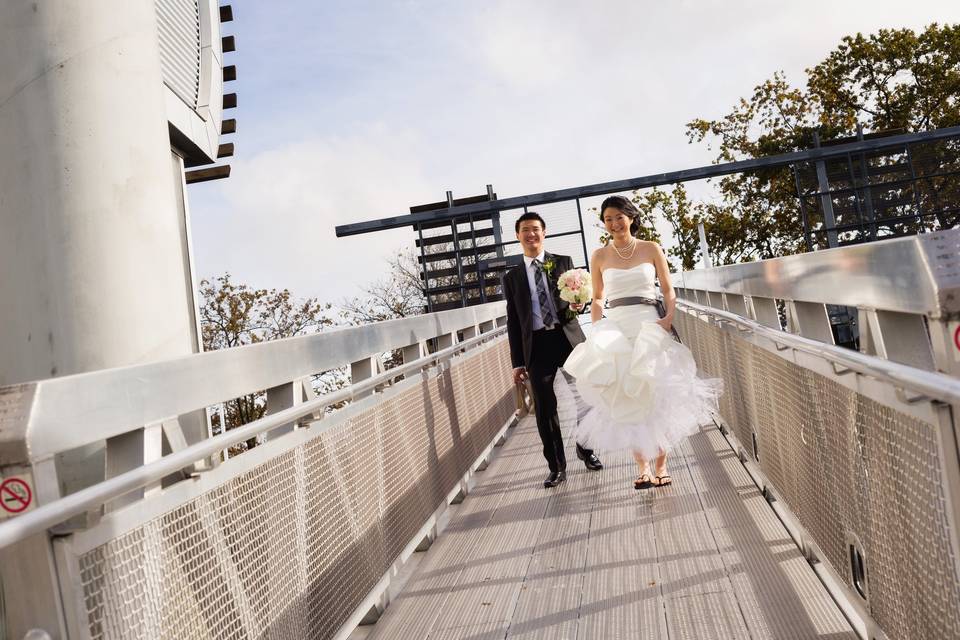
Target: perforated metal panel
{"x": 289, "y": 548}
{"x": 846, "y": 465}
{"x": 178, "y": 27}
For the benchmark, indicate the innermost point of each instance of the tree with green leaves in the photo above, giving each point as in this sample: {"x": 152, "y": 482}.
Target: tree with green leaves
{"x": 234, "y": 315}
{"x": 679, "y": 212}
{"x": 891, "y": 80}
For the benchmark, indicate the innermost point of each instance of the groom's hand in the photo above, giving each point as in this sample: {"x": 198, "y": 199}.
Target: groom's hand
{"x": 519, "y": 375}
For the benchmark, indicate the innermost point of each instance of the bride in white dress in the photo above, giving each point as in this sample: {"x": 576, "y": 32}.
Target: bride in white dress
{"x": 640, "y": 383}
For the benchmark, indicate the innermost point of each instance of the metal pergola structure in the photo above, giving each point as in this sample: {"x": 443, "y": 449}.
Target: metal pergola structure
{"x": 823, "y": 213}
{"x": 453, "y": 250}
{"x": 860, "y": 196}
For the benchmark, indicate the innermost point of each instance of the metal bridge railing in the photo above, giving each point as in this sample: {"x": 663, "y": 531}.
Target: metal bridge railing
{"x": 904, "y": 293}
{"x": 858, "y": 453}
{"x": 297, "y": 537}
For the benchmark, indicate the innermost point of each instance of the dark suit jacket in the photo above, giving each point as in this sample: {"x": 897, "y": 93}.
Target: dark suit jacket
{"x": 516, "y": 290}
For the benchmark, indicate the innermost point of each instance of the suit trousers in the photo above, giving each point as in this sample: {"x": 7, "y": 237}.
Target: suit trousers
{"x": 550, "y": 351}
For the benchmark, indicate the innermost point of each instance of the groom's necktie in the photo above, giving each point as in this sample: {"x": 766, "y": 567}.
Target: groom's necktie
{"x": 546, "y": 312}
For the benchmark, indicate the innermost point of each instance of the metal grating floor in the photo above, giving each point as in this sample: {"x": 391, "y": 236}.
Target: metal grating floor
{"x": 705, "y": 558}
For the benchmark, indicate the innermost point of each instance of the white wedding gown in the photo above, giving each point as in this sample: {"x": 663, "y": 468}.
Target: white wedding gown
{"x": 641, "y": 385}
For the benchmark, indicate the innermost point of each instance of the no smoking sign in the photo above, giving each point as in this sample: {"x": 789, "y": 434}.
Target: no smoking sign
{"x": 16, "y": 496}
{"x": 954, "y": 329}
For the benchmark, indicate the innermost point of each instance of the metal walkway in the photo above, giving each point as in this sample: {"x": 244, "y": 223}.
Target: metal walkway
{"x": 704, "y": 558}
{"x": 313, "y": 530}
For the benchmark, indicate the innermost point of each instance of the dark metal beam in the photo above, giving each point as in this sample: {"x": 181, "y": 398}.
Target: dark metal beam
{"x": 204, "y": 175}
{"x": 603, "y": 188}
{"x": 448, "y": 239}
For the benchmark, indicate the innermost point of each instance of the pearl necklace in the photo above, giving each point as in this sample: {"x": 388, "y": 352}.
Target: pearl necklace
{"x": 633, "y": 249}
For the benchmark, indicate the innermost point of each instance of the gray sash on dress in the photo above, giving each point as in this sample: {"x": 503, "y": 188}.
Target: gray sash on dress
{"x": 620, "y": 302}
{"x": 653, "y": 302}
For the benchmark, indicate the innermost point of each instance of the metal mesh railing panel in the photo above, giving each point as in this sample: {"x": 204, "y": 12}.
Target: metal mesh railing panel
{"x": 851, "y": 469}
{"x": 289, "y": 548}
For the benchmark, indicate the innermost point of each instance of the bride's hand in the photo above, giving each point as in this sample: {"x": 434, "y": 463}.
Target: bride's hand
{"x": 577, "y": 306}
{"x": 664, "y": 324}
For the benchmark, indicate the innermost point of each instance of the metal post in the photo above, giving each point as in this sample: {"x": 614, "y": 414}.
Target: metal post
{"x": 456, "y": 251}
{"x": 583, "y": 238}
{"x": 495, "y": 223}
{"x": 704, "y": 247}
{"x": 868, "y": 195}
{"x": 856, "y": 193}
{"x": 913, "y": 189}
{"x": 803, "y": 210}
{"x": 826, "y": 203}
{"x": 476, "y": 259}
{"x": 426, "y": 273}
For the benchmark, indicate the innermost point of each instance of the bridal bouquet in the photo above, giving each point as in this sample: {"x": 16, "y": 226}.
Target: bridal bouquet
{"x": 575, "y": 287}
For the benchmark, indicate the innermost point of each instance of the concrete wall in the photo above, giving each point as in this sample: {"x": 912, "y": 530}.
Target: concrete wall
{"x": 94, "y": 270}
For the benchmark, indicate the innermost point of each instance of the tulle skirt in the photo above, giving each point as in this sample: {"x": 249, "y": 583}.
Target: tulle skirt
{"x": 640, "y": 385}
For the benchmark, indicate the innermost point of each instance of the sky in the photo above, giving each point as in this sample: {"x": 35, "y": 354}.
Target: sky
{"x": 353, "y": 110}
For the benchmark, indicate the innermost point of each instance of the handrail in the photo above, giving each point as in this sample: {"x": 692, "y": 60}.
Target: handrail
{"x": 935, "y": 385}
{"x": 68, "y": 412}
{"x": 917, "y": 274}
{"x": 49, "y": 515}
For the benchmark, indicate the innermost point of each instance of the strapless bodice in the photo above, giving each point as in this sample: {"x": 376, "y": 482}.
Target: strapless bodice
{"x": 639, "y": 280}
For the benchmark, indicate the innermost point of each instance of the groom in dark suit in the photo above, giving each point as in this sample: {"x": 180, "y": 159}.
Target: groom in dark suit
{"x": 541, "y": 337}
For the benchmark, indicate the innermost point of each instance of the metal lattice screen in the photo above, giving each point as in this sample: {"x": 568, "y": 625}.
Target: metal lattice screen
{"x": 563, "y": 233}
{"x": 178, "y": 29}
{"x": 846, "y": 465}
{"x": 904, "y": 190}
{"x": 291, "y": 547}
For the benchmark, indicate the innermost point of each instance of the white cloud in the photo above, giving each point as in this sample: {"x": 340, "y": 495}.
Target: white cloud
{"x": 274, "y": 223}
{"x": 526, "y": 95}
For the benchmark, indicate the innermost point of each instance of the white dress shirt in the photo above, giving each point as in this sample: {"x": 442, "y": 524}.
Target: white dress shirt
{"x": 534, "y": 298}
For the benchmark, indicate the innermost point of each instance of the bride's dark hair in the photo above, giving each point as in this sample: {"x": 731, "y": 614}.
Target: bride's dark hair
{"x": 625, "y": 207}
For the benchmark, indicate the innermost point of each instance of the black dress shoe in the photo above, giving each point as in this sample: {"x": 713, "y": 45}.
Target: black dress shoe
{"x": 590, "y": 459}
{"x": 555, "y": 478}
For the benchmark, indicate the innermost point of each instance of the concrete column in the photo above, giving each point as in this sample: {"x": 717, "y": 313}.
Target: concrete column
{"x": 93, "y": 260}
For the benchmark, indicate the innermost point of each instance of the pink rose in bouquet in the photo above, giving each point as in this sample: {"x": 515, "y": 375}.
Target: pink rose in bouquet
{"x": 575, "y": 286}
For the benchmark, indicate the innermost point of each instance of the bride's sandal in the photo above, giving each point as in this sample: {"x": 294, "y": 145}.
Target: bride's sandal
{"x": 643, "y": 481}
{"x": 662, "y": 481}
